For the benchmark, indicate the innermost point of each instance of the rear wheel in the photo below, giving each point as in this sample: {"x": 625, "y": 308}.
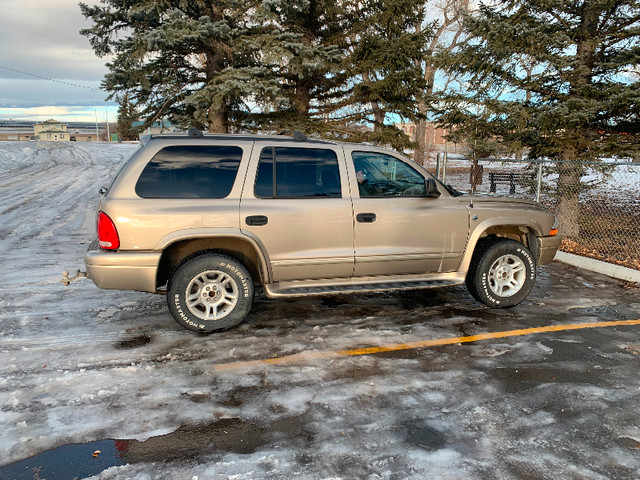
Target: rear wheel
{"x": 502, "y": 273}
{"x": 210, "y": 293}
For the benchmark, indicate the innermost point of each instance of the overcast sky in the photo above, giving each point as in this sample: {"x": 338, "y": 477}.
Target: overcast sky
{"x": 41, "y": 37}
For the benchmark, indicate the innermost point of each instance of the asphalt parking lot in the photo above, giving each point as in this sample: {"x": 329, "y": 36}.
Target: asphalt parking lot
{"x": 414, "y": 384}
{"x": 289, "y": 395}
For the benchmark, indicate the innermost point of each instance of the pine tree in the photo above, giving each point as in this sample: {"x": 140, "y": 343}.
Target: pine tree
{"x": 295, "y": 63}
{"x": 168, "y": 55}
{"x": 554, "y": 74}
{"x": 127, "y": 115}
{"x": 387, "y": 43}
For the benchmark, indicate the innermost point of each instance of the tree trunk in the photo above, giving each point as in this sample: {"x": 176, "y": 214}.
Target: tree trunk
{"x": 423, "y": 147}
{"x": 569, "y": 174}
{"x": 218, "y": 119}
{"x": 378, "y": 116}
{"x": 218, "y": 113}
{"x": 303, "y": 98}
{"x": 568, "y": 210}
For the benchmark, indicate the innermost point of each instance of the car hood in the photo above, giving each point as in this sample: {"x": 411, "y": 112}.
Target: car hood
{"x": 484, "y": 201}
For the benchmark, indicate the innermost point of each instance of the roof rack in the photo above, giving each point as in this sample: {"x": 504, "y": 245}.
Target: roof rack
{"x": 298, "y": 136}
{"x": 193, "y": 132}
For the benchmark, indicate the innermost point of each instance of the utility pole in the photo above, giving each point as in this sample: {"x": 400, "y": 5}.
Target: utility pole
{"x": 106, "y": 113}
{"x": 96, "y": 112}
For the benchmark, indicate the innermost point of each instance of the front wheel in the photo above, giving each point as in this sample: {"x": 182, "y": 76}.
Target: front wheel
{"x": 210, "y": 293}
{"x": 502, "y": 273}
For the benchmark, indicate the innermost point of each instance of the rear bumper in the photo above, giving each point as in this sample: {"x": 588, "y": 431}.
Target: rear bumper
{"x": 122, "y": 270}
{"x": 548, "y": 248}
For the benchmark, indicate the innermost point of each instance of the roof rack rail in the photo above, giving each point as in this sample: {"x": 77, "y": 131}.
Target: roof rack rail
{"x": 194, "y": 133}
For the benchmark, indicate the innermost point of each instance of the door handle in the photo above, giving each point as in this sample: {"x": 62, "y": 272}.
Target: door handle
{"x": 257, "y": 220}
{"x": 366, "y": 217}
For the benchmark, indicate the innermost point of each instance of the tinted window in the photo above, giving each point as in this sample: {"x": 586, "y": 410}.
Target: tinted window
{"x": 298, "y": 172}
{"x": 382, "y": 175}
{"x": 190, "y": 171}
{"x": 264, "y": 179}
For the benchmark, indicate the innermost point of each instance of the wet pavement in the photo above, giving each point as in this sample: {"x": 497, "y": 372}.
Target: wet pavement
{"x": 148, "y": 396}
{"x": 105, "y": 384}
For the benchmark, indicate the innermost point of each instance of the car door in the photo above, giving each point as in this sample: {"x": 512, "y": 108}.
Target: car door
{"x": 296, "y": 204}
{"x": 398, "y": 229}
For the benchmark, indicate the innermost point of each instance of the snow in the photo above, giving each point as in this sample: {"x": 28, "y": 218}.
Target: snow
{"x": 618, "y": 185}
{"x": 79, "y": 364}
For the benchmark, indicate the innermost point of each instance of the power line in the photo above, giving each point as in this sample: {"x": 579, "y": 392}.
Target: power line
{"x": 49, "y": 79}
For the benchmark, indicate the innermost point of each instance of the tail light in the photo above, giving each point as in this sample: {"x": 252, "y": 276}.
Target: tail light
{"x": 107, "y": 233}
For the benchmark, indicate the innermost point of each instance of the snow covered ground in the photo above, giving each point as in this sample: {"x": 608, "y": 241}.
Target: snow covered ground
{"x": 83, "y": 369}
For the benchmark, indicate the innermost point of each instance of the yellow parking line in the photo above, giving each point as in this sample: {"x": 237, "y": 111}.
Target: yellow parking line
{"x": 324, "y": 354}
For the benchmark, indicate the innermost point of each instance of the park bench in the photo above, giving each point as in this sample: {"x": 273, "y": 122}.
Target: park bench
{"x": 511, "y": 178}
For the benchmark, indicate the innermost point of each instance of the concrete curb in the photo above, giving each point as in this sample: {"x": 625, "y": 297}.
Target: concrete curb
{"x": 615, "y": 271}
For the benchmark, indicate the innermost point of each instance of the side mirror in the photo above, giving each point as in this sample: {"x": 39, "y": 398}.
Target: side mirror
{"x": 432, "y": 188}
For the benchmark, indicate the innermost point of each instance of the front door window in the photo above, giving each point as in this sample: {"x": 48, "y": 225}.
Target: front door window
{"x": 381, "y": 175}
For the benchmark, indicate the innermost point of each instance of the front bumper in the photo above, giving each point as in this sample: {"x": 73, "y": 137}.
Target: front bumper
{"x": 122, "y": 270}
{"x": 548, "y": 248}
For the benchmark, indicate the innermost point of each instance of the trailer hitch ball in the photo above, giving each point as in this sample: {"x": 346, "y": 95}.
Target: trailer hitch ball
{"x": 66, "y": 280}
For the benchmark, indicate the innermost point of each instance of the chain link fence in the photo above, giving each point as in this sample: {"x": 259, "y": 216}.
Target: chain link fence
{"x": 597, "y": 203}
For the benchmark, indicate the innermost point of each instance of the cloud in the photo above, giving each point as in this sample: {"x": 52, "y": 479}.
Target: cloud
{"x": 42, "y": 37}
{"x": 28, "y": 92}
{"x": 64, "y": 114}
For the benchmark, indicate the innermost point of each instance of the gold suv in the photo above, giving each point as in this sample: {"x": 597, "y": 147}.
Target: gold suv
{"x": 206, "y": 218}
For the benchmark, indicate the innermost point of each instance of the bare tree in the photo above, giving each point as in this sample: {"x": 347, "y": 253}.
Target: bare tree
{"x": 446, "y": 18}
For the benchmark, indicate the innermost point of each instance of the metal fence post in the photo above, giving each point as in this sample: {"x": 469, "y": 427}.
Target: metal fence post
{"x": 539, "y": 181}
{"x": 438, "y": 165}
{"x": 444, "y": 168}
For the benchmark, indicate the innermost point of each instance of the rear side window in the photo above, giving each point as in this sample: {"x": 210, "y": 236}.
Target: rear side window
{"x": 297, "y": 173}
{"x": 190, "y": 171}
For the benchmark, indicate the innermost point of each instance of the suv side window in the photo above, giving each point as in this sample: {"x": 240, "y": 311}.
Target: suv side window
{"x": 190, "y": 171}
{"x": 297, "y": 173}
{"x": 381, "y": 175}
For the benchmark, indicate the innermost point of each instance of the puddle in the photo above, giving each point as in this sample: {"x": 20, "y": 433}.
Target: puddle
{"x": 187, "y": 442}
{"x": 628, "y": 442}
{"x": 524, "y": 378}
{"x": 134, "y": 342}
{"x": 66, "y": 462}
{"x": 424, "y": 437}
{"x": 232, "y": 435}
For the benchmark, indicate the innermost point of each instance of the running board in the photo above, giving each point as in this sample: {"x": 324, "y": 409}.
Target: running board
{"x": 370, "y": 284}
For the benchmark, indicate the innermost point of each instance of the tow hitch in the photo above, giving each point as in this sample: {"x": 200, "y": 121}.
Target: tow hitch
{"x": 66, "y": 280}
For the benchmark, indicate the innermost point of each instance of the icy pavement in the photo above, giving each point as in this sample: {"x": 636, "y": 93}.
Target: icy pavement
{"x": 85, "y": 370}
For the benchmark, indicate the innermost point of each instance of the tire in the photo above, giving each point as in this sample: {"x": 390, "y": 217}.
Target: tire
{"x": 210, "y": 293}
{"x": 502, "y": 273}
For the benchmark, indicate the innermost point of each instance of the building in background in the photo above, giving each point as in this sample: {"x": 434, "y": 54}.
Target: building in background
{"x": 54, "y": 131}
{"x": 16, "y": 130}
{"x": 51, "y": 131}
{"x": 435, "y": 136}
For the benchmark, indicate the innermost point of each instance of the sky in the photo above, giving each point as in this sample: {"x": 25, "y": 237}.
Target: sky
{"x": 40, "y": 37}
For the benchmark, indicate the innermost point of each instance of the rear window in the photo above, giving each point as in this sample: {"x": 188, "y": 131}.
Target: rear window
{"x": 190, "y": 171}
